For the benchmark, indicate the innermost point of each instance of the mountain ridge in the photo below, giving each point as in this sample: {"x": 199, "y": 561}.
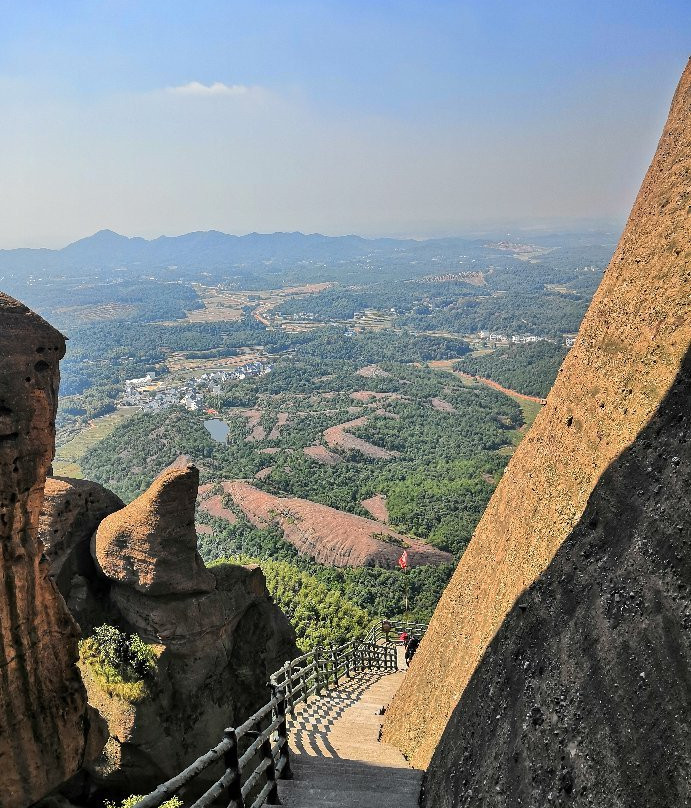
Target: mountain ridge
{"x": 207, "y": 249}
{"x": 106, "y": 248}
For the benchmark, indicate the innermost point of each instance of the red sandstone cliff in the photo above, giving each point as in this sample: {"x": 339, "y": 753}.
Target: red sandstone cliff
{"x": 43, "y": 712}
{"x": 627, "y": 359}
{"x": 218, "y": 633}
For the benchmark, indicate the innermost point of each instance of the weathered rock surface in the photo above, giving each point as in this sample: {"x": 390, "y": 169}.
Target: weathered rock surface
{"x": 584, "y": 693}
{"x": 219, "y": 639}
{"x": 607, "y": 398}
{"x": 43, "y": 711}
{"x": 151, "y": 545}
{"x": 70, "y": 514}
{"x": 326, "y": 534}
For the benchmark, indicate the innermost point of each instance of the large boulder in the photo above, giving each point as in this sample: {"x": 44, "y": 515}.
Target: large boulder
{"x": 71, "y": 512}
{"x": 151, "y": 545}
{"x": 44, "y": 721}
{"x": 628, "y": 357}
{"x": 216, "y": 632}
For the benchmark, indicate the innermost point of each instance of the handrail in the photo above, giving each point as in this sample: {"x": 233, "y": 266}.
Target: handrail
{"x": 390, "y": 630}
{"x": 261, "y": 760}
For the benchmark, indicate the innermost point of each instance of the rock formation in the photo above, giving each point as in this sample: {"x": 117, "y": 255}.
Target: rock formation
{"x": 217, "y": 632}
{"x": 43, "y": 712}
{"x": 583, "y": 689}
{"x": 583, "y": 694}
{"x": 71, "y": 512}
{"x": 151, "y": 545}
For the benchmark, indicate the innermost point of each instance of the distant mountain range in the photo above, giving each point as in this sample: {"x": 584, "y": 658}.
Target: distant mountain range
{"x": 108, "y": 250}
{"x": 256, "y": 254}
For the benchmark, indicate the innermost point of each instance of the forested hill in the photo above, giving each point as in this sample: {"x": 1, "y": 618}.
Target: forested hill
{"x": 529, "y": 369}
{"x": 109, "y": 249}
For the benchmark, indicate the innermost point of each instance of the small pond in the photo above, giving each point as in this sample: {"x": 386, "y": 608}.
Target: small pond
{"x": 217, "y": 429}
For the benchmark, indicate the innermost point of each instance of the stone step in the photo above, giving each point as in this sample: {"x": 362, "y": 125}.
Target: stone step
{"x": 325, "y": 766}
{"x": 351, "y": 784}
{"x": 337, "y": 759}
{"x": 321, "y": 778}
{"x": 376, "y": 797}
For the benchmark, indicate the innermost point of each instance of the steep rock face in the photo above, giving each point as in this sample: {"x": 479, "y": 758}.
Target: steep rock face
{"x": 582, "y": 698}
{"x": 628, "y": 355}
{"x": 43, "y": 712}
{"x": 151, "y": 545}
{"x": 71, "y": 512}
{"x": 219, "y": 639}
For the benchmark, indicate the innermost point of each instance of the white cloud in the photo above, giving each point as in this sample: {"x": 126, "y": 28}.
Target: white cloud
{"x": 217, "y": 88}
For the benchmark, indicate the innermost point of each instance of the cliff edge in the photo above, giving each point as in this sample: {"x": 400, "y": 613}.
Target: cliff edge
{"x": 629, "y": 354}
{"x": 43, "y": 711}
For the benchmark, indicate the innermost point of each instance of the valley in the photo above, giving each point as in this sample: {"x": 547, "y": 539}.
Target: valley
{"x": 342, "y": 403}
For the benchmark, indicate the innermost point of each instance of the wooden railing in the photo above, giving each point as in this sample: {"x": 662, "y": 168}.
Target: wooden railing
{"x": 251, "y": 758}
{"x": 390, "y": 630}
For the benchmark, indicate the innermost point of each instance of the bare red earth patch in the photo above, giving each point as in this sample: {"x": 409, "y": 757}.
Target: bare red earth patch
{"x": 281, "y": 420}
{"x": 214, "y": 507}
{"x": 331, "y": 536}
{"x": 337, "y": 437}
{"x": 442, "y": 406}
{"x": 376, "y": 505}
{"x": 322, "y": 455}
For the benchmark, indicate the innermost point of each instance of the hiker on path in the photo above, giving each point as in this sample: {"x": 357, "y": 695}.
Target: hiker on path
{"x": 410, "y": 649}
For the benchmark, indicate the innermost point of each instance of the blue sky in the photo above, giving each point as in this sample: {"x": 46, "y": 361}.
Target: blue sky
{"x": 402, "y": 118}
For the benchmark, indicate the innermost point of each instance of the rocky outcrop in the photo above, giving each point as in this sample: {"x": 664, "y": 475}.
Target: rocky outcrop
{"x": 43, "y": 712}
{"x": 70, "y": 514}
{"x": 604, "y": 409}
{"x": 151, "y": 545}
{"x": 326, "y": 534}
{"x": 582, "y": 697}
{"x": 217, "y": 633}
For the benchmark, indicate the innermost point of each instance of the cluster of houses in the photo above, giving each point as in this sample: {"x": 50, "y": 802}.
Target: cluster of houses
{"x": 191, "y": 393}
{"x": 521, "y": 339}
{"x": 517, "y": 339}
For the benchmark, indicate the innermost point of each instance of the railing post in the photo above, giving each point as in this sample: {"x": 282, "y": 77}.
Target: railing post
{"x": 231, "y": 763}
{"x": 303, "y": 679}
{"x": 334, "y": 662}
{"x": 327, "y": 673}
{"x": 272, "y": 796}
{"x": 282, "y": 732}
{"x": 347, "y": 661}
{"x": 317, "y": 671}
{"x": 289, "y": 687}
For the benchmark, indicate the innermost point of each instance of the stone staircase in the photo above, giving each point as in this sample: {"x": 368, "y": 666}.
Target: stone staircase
{"x": 337, "y": 758}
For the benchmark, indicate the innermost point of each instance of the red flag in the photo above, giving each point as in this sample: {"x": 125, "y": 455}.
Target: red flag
{"x": 403, "y": 560}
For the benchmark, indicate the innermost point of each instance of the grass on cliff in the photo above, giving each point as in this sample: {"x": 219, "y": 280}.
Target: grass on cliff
{"x": 122, "y": 665}
{"x": 130, "y": 802}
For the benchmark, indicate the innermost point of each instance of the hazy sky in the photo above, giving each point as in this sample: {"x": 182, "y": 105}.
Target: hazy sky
{"x": 398, "y": 118}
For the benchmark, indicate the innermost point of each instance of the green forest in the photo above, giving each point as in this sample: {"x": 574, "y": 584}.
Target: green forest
{"x": 529, "y": 369}
{"x": 445, "y": 442}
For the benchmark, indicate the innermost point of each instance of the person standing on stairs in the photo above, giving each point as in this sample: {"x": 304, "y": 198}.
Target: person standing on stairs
{"x": 410, "y": 649}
